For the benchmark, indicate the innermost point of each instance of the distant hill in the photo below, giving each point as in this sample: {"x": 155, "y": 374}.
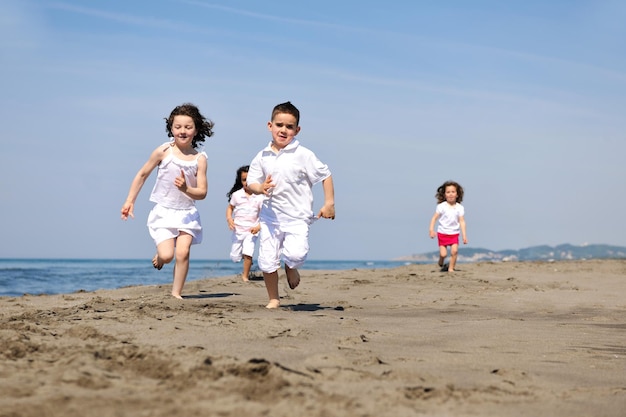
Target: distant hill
{"x": 534, "y": 253}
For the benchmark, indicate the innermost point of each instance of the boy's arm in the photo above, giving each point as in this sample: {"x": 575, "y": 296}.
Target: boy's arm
{"x": 431, "y": 229}
{"x": 263, "y": 188}
{"x": 462, "y": 223}
{"x": 328, "y": 210}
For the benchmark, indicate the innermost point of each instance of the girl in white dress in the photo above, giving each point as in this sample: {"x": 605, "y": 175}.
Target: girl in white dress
{"x": 174, "y": 222}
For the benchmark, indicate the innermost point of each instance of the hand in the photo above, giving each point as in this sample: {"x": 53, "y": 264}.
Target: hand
{"x": 127, "y": 210}
{"x": 268, "y": 185}
{"x": 432, "y": 234}
{"x": 465, "y": 241}
{"x": 255, "y": 229}
{"x": 231, "y": 224}
{"x": 180, "y": 182}
{"x": 327, "y": 212}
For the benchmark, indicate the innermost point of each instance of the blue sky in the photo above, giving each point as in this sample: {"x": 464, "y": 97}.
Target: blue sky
{"x": 523, "y": 103}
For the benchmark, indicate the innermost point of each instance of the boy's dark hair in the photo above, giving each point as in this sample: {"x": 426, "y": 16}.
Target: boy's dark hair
{"x": 288, "y": 108}
{"x": 203, "y": 125}
{"x": 238, "y": 184}
{"x": 441, "y": 191}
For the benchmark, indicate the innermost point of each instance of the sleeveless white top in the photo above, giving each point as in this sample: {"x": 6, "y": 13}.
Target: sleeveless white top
{"x": 165, "y": 193}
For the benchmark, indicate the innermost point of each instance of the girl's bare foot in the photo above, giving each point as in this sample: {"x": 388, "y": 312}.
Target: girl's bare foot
{"x": 244, "y": 278}
{"x": 156, "y": 262}
{"x": 273, "y": 304}
{"x": 180, "y": 297}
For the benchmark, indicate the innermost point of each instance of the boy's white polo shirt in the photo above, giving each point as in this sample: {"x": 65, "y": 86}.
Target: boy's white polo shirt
{"x": 294, "y": 170}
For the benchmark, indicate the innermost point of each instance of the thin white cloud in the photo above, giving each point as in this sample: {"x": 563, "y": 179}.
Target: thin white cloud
{"x": 417, "y": 39}
{"x": 116, "y": 17}
{"x": 269, "y": 17}
{"x": 529, "y": 101}
{"x": 140, "y": 21}
{"x": 20, "y": 25}
{"x": 441, "y": 86}
{"x": 565, "y": 64}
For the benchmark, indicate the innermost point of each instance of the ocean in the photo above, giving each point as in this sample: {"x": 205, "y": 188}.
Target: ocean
{"x": 64, "y": 276}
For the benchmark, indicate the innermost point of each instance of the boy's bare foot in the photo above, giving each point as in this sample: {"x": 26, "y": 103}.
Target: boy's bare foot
{"x": 293, "y": 277}
{"x": 273, "y": 304}
{"x": 180, "y": 297}
{"x": 156, "y": 262}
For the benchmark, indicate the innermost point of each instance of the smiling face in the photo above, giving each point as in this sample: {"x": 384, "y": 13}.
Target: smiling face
{"x": 183, "y": 130}
{"x": 451, "y": 194}
{"x": 284, "y": 128}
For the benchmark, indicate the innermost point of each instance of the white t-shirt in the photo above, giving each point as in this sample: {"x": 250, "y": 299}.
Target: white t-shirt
{"x": 449, "y": 218}
{"x": 294, "y": 170}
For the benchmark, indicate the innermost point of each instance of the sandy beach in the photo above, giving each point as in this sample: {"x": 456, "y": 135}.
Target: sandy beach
{"x": 492, "y": 339}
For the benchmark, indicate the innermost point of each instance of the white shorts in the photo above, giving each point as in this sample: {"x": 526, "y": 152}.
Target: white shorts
{"x": 291, "y": 241}
{"x": 166, "y": 223}
{"x": 243, "y": 244}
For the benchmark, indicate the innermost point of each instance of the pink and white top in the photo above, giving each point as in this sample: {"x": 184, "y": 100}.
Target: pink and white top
{"x": 246, "y": 209}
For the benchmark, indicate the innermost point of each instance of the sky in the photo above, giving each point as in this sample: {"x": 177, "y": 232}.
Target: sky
{"x": 522, "y": 103}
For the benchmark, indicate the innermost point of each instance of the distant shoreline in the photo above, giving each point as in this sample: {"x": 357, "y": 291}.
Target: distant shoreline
{"x": 535, "y": 253}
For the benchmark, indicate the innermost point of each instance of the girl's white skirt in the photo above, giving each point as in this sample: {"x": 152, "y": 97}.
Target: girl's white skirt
{"x": 166, "y": 223}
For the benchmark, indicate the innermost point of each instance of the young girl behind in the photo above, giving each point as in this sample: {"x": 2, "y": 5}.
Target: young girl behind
{"x": 174, "y": 222}
{"x": 451, "y": 216}
{"x": 242, "y": 215}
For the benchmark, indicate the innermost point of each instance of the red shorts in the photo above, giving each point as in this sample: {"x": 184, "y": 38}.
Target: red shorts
{"x": 447, "y": 240}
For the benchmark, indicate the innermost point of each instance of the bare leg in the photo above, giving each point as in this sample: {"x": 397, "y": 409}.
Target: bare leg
{"x": 183, "y": 247}
{"x": 271, "y": 285}
{"x": 247, "y": 264}
{"x": 454, "y": 250}
{"x": 293, "y": 277}
{"x": 164, "y": 255}
{"x": 442, "y": 255}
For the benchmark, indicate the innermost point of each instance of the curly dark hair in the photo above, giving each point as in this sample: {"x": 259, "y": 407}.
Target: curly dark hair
{"x": 204, "y": 126}
{"x": 441, "y": 191}
{"x": 287, "y": 108}
{"x": 238, "y": 183}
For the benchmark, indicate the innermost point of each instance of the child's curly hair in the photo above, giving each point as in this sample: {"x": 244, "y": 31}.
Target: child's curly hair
{"x": 204, "y": 126}
{"x": 441, "y": 191}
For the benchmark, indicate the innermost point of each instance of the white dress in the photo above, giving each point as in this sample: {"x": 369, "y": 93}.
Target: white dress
{"x": 174, "y": 211}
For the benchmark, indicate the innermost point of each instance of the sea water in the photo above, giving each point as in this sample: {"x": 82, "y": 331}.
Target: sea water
{"x": 64, "y": 276}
